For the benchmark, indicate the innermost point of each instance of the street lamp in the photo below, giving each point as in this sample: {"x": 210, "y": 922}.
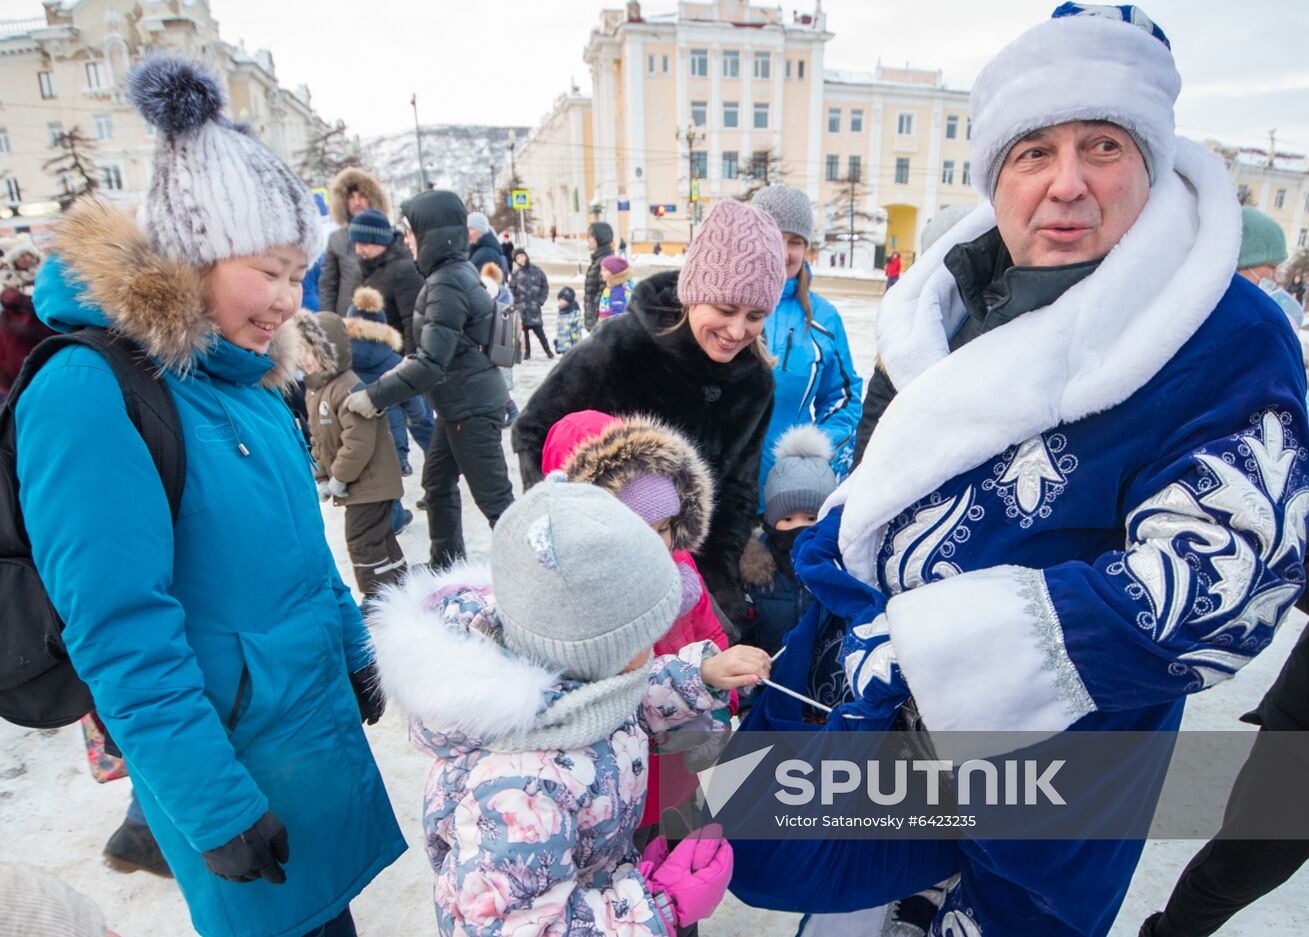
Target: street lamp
{"x": 691, "y": 135}
{"x": 418, "y": 136}
{"x": 511, "y": 142}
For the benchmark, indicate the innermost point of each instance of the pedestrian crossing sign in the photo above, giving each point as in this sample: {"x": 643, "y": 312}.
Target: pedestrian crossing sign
{"x": 520, "y": 200}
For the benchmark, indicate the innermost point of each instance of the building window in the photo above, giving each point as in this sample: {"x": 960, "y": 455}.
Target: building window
{"x": 855, "y": 169}
{"x": 111, "y": 178}
{"x": 833, "y": 120}
{"x": 857, "y": 121}
{"x": 763, "y": 65}
{"x": 95, "y": 76}
{"x": 968, "y": 174}
{"x": 788, "y": 69}
{"x": 699, "y": 164}
{"x": 947, "y": 172}
{"x": 730, "y": 168}
{"x": 56, "y": 130}
{"x": 759, "y": 164}
{"x": 1279, "y": 201}
{"x": 104, "y": 127}
{"x": 968, "y": 133}
{"x": 951, "y": 127}
{"x": 800, "y": 68}
{"x": 699, "y": 63}
{"x": 649, "y": 64}
{"x": 761, "y": 116}
{"x": 833, "y": 168}
{"x": 14, "y": 193}
{"x": 699, "y": 113}
{"x": 731, "y": 64}
{"x": 1242, "y": 193}
{"x": 1302, "y": 242}
{"x": 47, "y": 82}
{"x": 902, "y": 170}
{"x": 665, "y": 65}
{"x": 731, "y": 115}
{"x": 904, "y": 125}
{"x": 4, "y": 142}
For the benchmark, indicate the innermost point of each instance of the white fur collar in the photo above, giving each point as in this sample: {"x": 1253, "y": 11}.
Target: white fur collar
{"x": 456, "y": 681}
{"x": 1090, "y": 350}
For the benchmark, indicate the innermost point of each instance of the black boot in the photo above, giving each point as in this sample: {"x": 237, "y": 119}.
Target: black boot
{"x": 1147, "y": 928}
{"x": 133, "y": 848}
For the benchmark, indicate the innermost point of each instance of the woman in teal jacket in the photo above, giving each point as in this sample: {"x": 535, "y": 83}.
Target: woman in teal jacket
{"x": 223, "y": 652}
{"x": 814, "y": 373}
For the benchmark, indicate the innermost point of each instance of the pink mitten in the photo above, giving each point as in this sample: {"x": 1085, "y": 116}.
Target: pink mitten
{"x": 656, "y": 851}
{"x": 694, "y": 877}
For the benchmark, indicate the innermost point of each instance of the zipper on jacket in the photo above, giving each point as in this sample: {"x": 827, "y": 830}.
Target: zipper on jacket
{"x": 786, "y": 356}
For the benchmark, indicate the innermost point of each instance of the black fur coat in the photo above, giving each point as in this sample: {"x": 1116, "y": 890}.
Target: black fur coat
{"x": 628, "y": 366}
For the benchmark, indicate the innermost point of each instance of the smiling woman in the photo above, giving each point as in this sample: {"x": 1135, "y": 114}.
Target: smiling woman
{"x": 230, "y": 664}
{"x": 690, "y": 353}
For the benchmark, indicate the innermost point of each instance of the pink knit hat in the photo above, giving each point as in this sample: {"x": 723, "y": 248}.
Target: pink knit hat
{"x": 736, "y": 259}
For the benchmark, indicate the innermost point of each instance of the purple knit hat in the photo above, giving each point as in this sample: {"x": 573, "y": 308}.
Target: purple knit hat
{"x": 735, "y": 260}
{"x": 651, "y": 497}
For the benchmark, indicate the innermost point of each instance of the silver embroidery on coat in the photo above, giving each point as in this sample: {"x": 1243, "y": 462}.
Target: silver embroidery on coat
{"x": 1064, "y": 678}
{"x": 1029, "y": 477}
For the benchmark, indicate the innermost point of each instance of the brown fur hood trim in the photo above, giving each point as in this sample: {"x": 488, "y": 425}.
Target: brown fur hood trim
{"x": 316, "y": 343}
{"x": 757, "y": 564}
{"x": 150, "y": 298}
{"x": 639, "y": 445}
{"x": 366, "y": 330}
{"x": 367, "y": 299}
{"x": 348, "y": 179}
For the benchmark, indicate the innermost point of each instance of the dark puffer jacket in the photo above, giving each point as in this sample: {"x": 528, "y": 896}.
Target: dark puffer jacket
{"x": 531, "y": 289}
{"x": 393, "y": 274}
{"x": 452, "y": 320}
{"x": 634, "y": 365}
{"x": 486, "y": 250}
{"x": 595, "y": 283}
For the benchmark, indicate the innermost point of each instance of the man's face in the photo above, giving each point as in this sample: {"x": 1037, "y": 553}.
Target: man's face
{"x": 356, "y": 202}
{"x": 369, "y": 251}
{"x": 473, "y": 234}
{"x": 1068, "y": 193}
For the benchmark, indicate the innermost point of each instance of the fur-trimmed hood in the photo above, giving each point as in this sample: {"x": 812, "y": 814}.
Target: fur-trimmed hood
{"x": 637, "y": 445}
{"x": 361, "y": 329}
{"x": 323, "y": 337}
{"x": 105, "y": 273}
{"x": 367, "y": 185}
{"x": 446, "y": 667}
{"x": 757, "y": 564}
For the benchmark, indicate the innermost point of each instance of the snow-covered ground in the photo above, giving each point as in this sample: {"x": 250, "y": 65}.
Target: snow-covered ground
{"x": 55, "y": 816}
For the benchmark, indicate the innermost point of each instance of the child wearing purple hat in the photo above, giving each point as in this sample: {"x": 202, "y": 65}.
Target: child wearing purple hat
{"x": 618, "y": 286}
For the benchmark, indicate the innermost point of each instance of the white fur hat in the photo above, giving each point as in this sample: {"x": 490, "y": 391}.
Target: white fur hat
{"x": 1089, "y": 62}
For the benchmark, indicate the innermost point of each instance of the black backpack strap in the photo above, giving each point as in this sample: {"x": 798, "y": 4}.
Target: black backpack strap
{"x": 149, "y": 403}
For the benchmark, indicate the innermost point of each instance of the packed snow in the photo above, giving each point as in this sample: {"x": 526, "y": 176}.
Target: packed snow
{"x": 55, "y": 816}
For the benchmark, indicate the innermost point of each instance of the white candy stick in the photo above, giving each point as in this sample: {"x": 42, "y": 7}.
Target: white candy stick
{"x": 802, "y": 698}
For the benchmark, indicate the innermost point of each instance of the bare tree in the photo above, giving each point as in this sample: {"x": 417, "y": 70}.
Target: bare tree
{"x": 474, "y": 199}
{"x": 327, "y": 154}
{"x": 73, "y": 167}
{"x": 766, "y": 168}
{"x": 853, "y": 221}
{"x": 505, "y": 218}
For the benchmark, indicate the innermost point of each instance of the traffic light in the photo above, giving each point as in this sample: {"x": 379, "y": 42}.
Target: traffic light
{"x": 658, "y": 210}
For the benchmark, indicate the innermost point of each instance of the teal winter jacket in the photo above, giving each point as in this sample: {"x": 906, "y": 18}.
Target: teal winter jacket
{"x": 217, "y": 649}
{"x": 815, "y": 378}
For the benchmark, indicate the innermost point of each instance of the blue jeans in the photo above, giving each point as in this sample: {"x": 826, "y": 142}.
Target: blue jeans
{"x": 343, "y": 925}
{"x": 134, "y": 813}
{"x": 416, "y": 416}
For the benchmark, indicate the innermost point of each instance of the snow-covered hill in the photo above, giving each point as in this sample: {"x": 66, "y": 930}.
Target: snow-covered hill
{"x": 462, "y": 157}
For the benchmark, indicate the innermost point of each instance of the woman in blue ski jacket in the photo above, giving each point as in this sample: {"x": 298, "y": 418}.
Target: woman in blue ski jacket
{"x": 224, "y": 654}
{"x": 814, "y": 373}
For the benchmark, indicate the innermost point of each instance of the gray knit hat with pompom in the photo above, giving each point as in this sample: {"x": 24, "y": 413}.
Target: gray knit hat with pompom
{"x": 801, "y": 477}
{"x": 217, "y": 192}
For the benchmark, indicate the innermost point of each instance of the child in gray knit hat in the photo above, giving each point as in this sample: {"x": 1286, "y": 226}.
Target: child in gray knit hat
{"x": 532, "y": 687}
{"x": 797, "y": 485}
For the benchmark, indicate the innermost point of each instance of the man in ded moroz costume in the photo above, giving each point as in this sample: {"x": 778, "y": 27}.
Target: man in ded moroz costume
{"x": 1086, "y": 497}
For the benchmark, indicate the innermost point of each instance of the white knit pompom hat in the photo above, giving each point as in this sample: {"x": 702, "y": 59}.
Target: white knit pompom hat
{"x": 1108, "y": 63}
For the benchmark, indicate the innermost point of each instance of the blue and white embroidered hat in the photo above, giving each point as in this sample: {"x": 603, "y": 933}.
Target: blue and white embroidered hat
{"x": 582, "y": 584}
{"x": 1086, "y": 62}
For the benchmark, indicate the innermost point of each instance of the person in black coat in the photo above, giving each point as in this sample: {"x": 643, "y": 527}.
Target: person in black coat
{"x": 689, "y": 354}
{"x": 453, "y": 319}
{"x": 531, "y": 289}
{"x": 600, "y": 238}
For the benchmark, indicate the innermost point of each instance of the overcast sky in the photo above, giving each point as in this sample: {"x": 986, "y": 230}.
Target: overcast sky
{"x": 1243, "y": 67}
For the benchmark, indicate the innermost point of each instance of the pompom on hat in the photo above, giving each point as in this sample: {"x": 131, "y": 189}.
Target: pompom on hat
{"x": 217, "y": 192}
{"x": 1087, "y": 62}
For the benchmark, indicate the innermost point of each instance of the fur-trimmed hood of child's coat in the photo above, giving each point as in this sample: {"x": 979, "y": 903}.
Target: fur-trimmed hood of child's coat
{"x": 757, "y": 564}
{"x": 155, "y": 300}
{"x": 366, "y": 320}
{"x": 363, "y": 183}
{"x": 454, "y": 676}
{"x": 641, "y": 445}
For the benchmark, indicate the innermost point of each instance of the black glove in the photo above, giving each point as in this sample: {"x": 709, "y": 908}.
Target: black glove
{"x": 368, "y": 693}
{"x": 257, "y": 853}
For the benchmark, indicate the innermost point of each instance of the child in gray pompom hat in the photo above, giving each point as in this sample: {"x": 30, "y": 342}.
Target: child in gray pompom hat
{"x": 534, "y": 691}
